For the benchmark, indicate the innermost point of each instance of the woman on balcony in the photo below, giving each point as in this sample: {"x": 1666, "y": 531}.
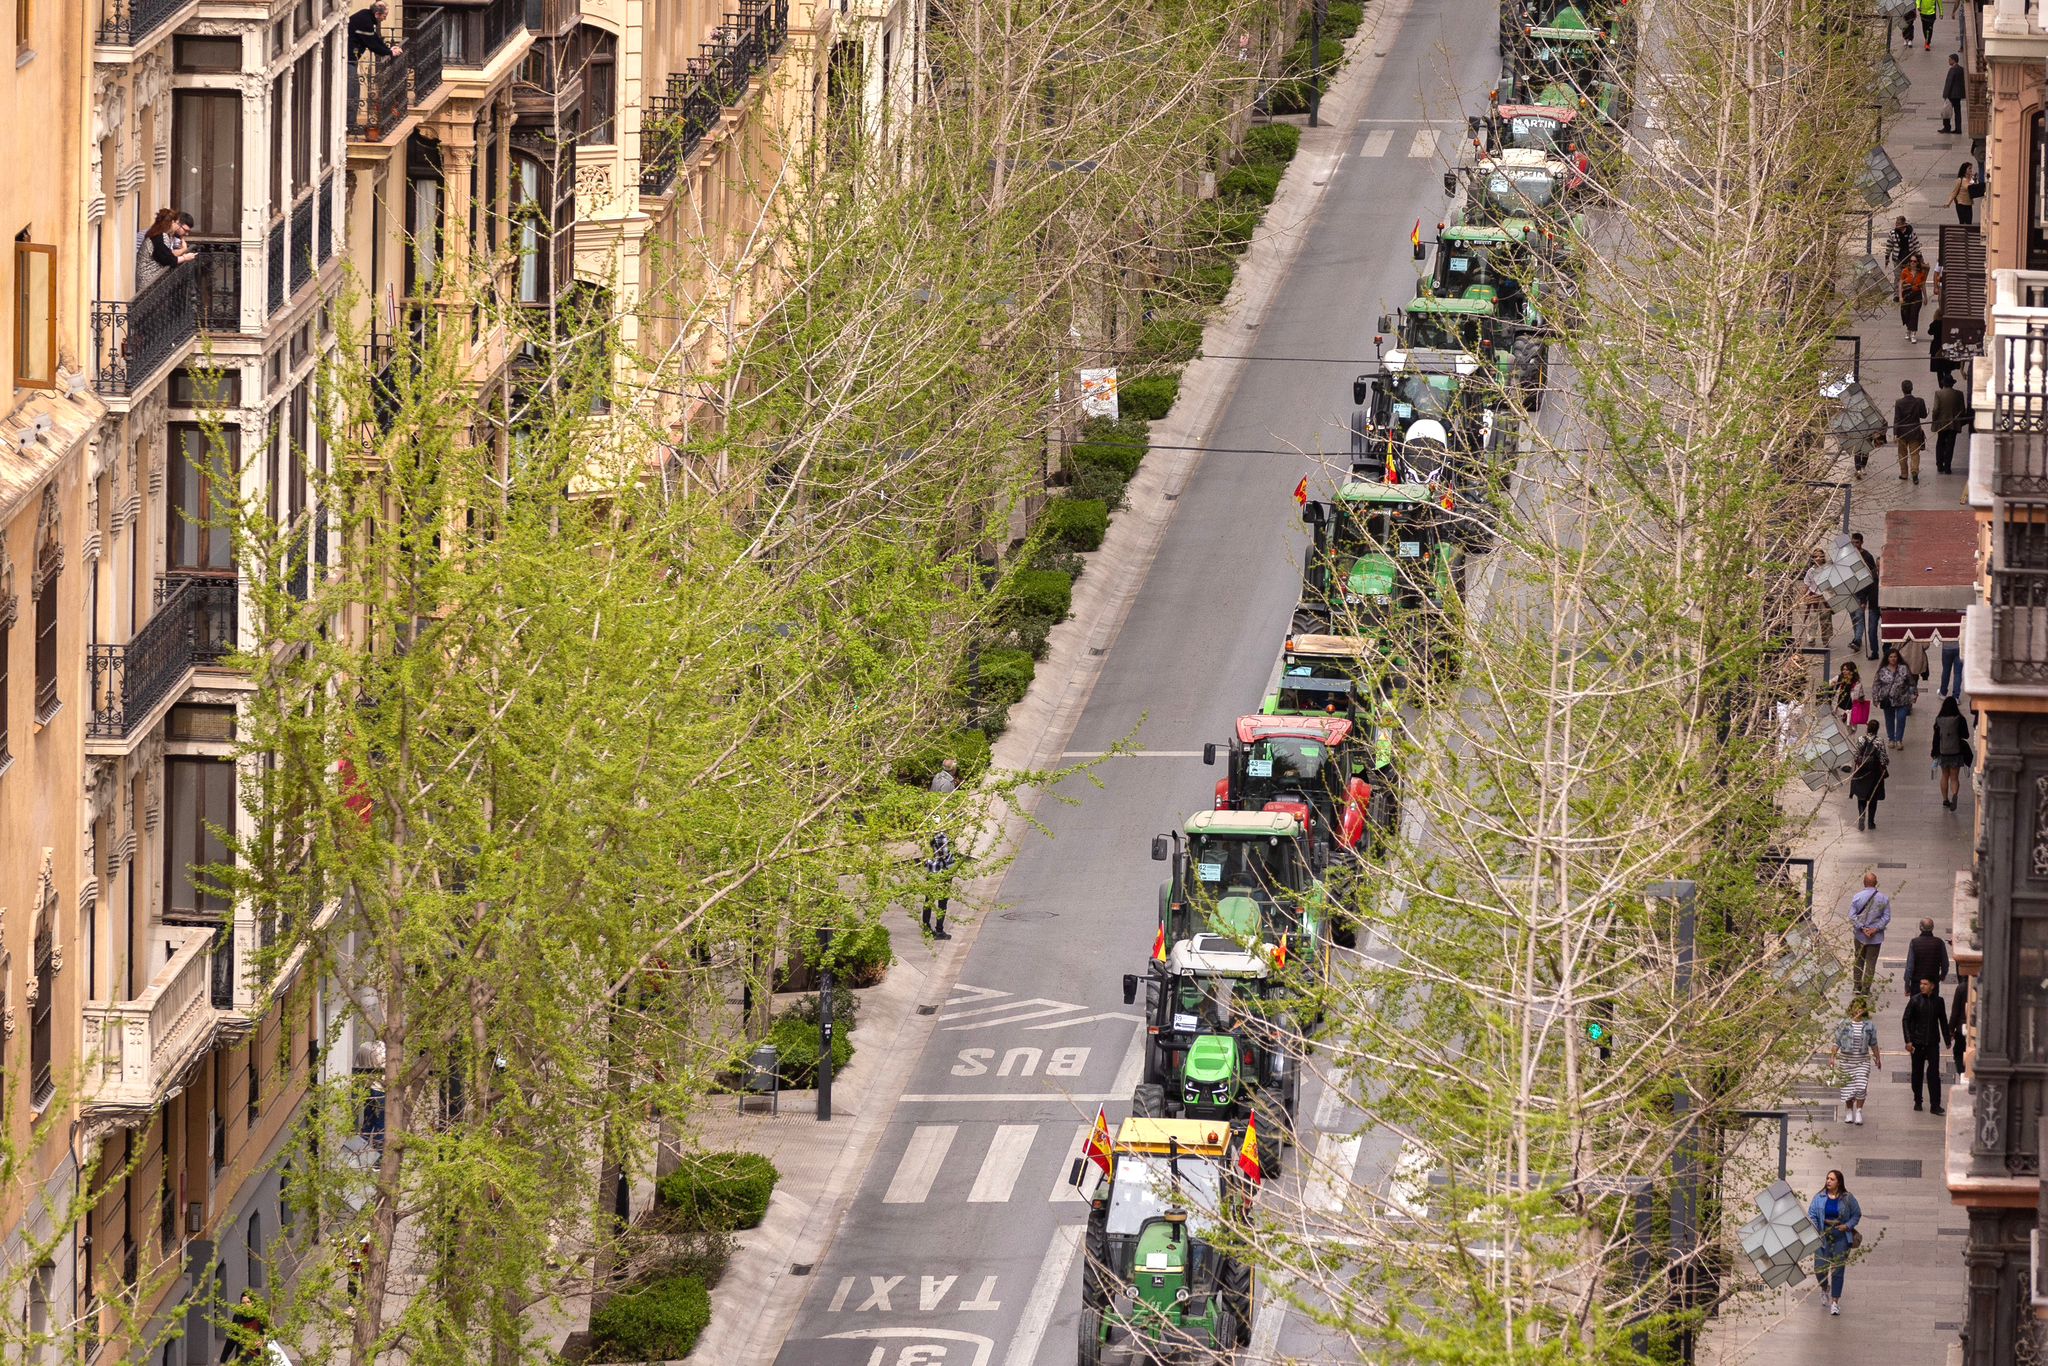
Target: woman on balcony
{"x": 160, "y": 249}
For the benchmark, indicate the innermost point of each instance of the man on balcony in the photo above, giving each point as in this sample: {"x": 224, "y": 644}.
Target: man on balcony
{"x": 363, "y": 34}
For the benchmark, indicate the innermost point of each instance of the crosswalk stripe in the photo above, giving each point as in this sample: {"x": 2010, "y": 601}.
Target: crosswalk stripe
{"x": 1331, "y": 1174}
{"x": 1064, "y": 1191}
{"x": 1002, "y": 1163}
{"x": 1377, "y": 142}
{"x": 922, "y": 1158}
{"x": 1425, "y": 141}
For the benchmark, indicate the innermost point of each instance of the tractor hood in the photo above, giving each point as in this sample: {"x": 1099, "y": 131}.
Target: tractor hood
{"x": 1372, "y": 578}
{"x": 1212, "y": 1061}
{"x": 1298, "y": 810}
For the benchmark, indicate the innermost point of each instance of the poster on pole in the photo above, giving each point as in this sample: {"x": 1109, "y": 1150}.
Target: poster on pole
{"x": 1098, "y": 393}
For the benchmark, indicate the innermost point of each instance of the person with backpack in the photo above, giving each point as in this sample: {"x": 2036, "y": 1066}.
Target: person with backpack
{"x": 1951, "y": 750}
{"x": 1900, "y": 243}
{"x": 1867, "y": 775}
{"x": 939, "y": 866}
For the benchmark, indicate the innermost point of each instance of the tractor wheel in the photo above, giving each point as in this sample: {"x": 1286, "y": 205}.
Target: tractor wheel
{"x": 1237, "y": 1293}
{"x": 1230, "y": 1334}
{"x": 1149, "y": 1102}
{"x": 1098, "y": 1286}
{"x": 1344, "y": 930}
{"x": 1381, "y": 815}
{"x": 1528, "y": 368}
{"x": 1090, "y": 1353}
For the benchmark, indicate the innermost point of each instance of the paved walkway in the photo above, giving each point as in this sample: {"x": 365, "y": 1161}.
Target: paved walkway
{"x": 1903, "y": 1302}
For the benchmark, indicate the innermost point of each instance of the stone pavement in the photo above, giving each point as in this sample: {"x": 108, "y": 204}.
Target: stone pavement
{"x": 1903, "y": 1301}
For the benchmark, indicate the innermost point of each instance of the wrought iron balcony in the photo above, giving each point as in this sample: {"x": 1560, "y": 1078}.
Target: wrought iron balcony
{"x": 715, "y": 79}
{"x": 327, "y": 210}
{"x": 476, "y": 36}
{"x": 134, "y": 340}
{"x": 130, "y": 23}
{"x": 2019, "y": 625}
{"x": 142, "y": 1047}
{"x": 302, "y": 243}
{"x": 275, "y": 261}
{"x": 383, "y": 88}
{"x": 194, "y": 625}
{"x": 674, "y": 124}
{"x": 2019, "y": 381}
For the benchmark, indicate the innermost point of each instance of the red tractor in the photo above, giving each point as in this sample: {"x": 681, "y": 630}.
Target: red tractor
{"x": 1306, "y": 766}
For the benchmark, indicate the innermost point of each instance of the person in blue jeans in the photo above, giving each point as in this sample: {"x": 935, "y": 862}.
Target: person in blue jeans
{"x": 1895, "y": 691}
{"x": 1952, "y": 665}
{"x": 1835, "y": 1213}
{"x": 1863, "y": 614}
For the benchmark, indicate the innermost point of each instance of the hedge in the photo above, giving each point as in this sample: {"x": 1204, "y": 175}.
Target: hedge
{"x": 1226, "y": 227}
{"x": 1076, "y": 524}
{"x": 1166, "y": 341}
{"x": 720, "y": 1190}
{"x": 1342, "y": 18}
{"x": 1002, "y": 676}
{"x": 1040, "y": 593}
{"x": 658, "y": 1321}
{"x": 1208, "y": 284}
{"x": 1269, "y": 144}
{"x": 1250, "y": 184}
{"x": 1119, "y": 450}
{"x": 969, "y": 747}
{"x": 795, "y": 1036}
{"x": 1150, "y": 398}
{"x": 860, "y": 957}
{"x": 1092, "y": 484}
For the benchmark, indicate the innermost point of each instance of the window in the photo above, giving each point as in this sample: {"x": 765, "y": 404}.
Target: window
{"x": 207, "y": 54}
{"x": 201, "y": 804}
{"x": 24, "y": 12}
{"x": 302, "y": 123}
{"x": 195, "y": 721}
{"x": 600, "y": 85}
{"x": 530, "y": 213}
{"x": 35, "y": 314}
{"x": 206, "y": 153}
{"x": 277, "y": 186}
{"x": 41, "y": 1084}
{"x": 47, "y": 700}
{"x": 198, "y": 538}
{"x": 194, "y": 388}
{"x": 255, "y": 1087}
{"x": 253, "y": 1245}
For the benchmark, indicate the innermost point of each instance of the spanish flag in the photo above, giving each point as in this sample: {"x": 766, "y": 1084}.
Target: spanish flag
{"x": 1248, "y": 1152}
{"x": 1097, "y": 1150}
{"x": 1280, "y": 955}
{"x": 1415, "y": 237}
{"x": 1159, "y": 946}
{"x": 1301, "y": 491}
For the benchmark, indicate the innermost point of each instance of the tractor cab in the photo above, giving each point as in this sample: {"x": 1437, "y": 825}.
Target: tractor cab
{"x": 1386, "y": 560}
{"x": 1492, "y": 263}
{"x": 1515, "y": 187}
{"x": 1319, "y": 676}
{"x": 1306, "y": 766}
{"x": 1251, "y": 877}
{"x": 1157, "y": 1288}
{"x": 1452, "y": 323}
{"x": 1222, "y": 1036}
{"x": 1568, "y": 58}
{"x": 1426, "y": 416}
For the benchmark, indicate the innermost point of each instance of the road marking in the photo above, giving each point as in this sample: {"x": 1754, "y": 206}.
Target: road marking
{"x": 1050, "y": 1008}
{"x": 1330, "y": 1175}
{"x": 1132, "y": 1069}
{"x": 1091, "y": 1019}
{"x": 1021, "y": 1097}
{"x": 1408, "y": 1188}
{"x": 1377, "y": 142}
{"x": 922, "y": 1157}
{"x": 1268, "y": 1313}
{"x": 1133, "y": 754}
{"x": 1009, "y": 1005}
{"x": 1063, "y": 1190}
{"x": 975, "y": 994}
{"x": 1002, "y": 1163}
{"x": 1045, "y": 1295}
{"x": 1424, "y": 143}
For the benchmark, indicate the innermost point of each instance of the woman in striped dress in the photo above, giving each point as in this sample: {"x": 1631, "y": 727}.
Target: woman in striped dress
{"x": 1855, "y": 1053}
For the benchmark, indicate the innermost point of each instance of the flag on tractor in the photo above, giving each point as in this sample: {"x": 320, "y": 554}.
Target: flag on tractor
{"x": 1415, "y": 237}
{"x": 1280, "y": 955}
{"x": 1301, "y": 491}
{"x": 1159, "y": 946}
{"x": 1248, "y": 1153}
{"x": 1097, "y": 1150}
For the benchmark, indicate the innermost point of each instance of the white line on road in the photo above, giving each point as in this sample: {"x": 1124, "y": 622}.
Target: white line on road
{"x": 1377, "y": 142}
{"x": 1010, "y": 1005}
{"x": 1424, "y": 144}
{"x": 1085, "y": 1019}
{"x": 1045, "y": 1295}
{"x": 1051, "y": 1008}
{"x": 1022, "y": 1097}
{"x": 1269, "y": 1313}
{"x": 1064, "y": 1190}
{"x": 1335, "y": 1158}
{"x": 1132, "y": 1068}
{"x": 1002, "y": 1164}
{"x": 1133, "y": 754}
{"x": 922, "y": 1158}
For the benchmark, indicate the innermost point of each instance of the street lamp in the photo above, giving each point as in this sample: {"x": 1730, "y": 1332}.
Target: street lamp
{"x": 1780, "y": 1239}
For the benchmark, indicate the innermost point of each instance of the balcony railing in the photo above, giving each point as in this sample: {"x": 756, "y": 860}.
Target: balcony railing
{"x": 326, "y": 204}
{"x": 132, "y": 341}
{"x": 381, "y": 89}
{"x": 275, "y": 259}
{"x": 130, "y": 23}
{"x": 143, "y": 1046}
{"x": 2019, "y": 625}
{"x": 718, "y": 77}
{"x": 476, "y": 36}
{"x": 302, "y": 243}
{"x": 194, "y": 624}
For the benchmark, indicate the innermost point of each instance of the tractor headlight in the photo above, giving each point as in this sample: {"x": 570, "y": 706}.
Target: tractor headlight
{"x": 1180, "y": 1296}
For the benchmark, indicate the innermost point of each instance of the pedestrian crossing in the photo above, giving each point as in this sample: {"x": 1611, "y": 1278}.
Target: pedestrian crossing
{"x": 939, "y": 1163}
{"x": 1423, "y": 140}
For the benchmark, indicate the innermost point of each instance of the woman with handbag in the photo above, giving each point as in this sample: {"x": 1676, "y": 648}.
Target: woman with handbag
{"x": 1951, "y": 750}
{"x": 1836, "y": 1214}
{"x": 1896, "y": 688}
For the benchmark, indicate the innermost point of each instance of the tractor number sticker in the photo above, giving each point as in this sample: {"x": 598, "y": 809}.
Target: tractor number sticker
{"x": 1257, "y": 768}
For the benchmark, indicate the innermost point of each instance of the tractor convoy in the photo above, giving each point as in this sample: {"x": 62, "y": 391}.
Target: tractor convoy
{"x": 1252, "y": 907}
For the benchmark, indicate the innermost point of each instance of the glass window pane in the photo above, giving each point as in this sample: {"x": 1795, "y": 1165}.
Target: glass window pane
{"x": 208, "y": 54}
{"x": 206, "y": 151}
{"x": 35, "y": 301}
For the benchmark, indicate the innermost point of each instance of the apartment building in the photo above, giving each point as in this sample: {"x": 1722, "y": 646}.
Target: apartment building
{"x": 2001, "y": 917}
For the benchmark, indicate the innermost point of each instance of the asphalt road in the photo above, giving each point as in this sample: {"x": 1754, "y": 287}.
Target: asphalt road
{"x": 961, "y": 1248}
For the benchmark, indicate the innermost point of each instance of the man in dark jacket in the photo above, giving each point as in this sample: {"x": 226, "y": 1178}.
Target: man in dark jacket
{"x": 1948, "y": 424}
{"x": 1900, "y": 245}
{"x": 363, "y": 35}
{"x": 1926, "y": 957}
{"x": 1958, "y": 1016}
{"x": 1907, "y": 414}
{"x": 1926, "y": 1026}
{"x": 1863, "y": 618}
{"x": 1952, "y": 91}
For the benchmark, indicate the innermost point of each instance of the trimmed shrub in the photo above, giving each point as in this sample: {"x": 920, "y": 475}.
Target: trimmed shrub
{"x": 1150, "y": 398}
{"x": 1291, "y": 96}
{"x": 1116, "y": 451}
{"x": 1093, "y": 483}
{"x": 721, "y": 1190}
{"x": 1250, "y": 184}
{"x": 970, "y": 747}
{"x": 1002, "y": 676}
{"x": 1269, "y": 144}
{"x": 1076, "y": 524}
{"x": 1041, "y": 593}
{"x": 860, "y": 957}
{"x": 658, "y": 1321}
{"x": 1342, "y": 18}
{"x": 795, "y": 1036}
{"x": 1166, "y": 341}
{"x": 1208, "y": 284}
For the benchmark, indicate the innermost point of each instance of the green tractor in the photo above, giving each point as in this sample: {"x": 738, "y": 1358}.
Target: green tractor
{"x": 1324, "y": 675}
{"x": 1254, "y": 877}
{"x": 1222, "y": 1039}
{"x": 1386, "y": 561}
{"x": 1569, "y": 58}
{"x": 1492, "y": 269}
{"x": 1432, "y": 416}
{"x": 1156, "y": 1289}
{"x": 1471, "y": 323}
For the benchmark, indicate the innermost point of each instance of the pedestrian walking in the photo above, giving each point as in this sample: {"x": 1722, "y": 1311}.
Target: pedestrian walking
{"x": 1895, "y": 690}
{"x": 1870, "y": 910}
{"x": 1929, "y": 9}
{"x": 1849, "y": 699}
{"x": 1836, "y": 1214}
{"x": 1925, "y": 1025}
{"x": 1812, "y": 620}
{"x": 947, "y": 779}
{"x": 940, "y": 866}
{"x": 1958, "y": 1016}
{"x": 1962, "y": 195}
{"x": 1855, "y": 1052}
{"x": 1863, "y": 617}
{"x": 1951, "y": 750}
{"x": 1938, "y": 362}
{"x": 1953, "y": 89}
{"x": 1900, "y": 243}
{"x": 1926, "y": 956}
{"x": 1912, "y": 294}
{"x": 1866, "y": 777}
{"x": 248, "y": 1333}
{"x": 1949, "y": 423}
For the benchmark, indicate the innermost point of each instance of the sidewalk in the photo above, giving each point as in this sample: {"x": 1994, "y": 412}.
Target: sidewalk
{"x": 1903, "y": 1301}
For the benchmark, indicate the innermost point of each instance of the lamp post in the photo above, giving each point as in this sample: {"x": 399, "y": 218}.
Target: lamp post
{"x": 1684, "y": 1161}
{"x": 824, "y": 1025}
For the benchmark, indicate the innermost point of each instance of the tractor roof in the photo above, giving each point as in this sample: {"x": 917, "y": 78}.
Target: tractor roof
{"x": 1481, "y": 233}
{"x": 1372, "y": 491}
{"x": 1349, "y": 647}
{"x": 1196, "y": 1137}
{"x": 1331, "y": 730}
{"x": 1524, "y": 159}
{"x": 1562, "y": 113}
{"x": 1214, "y": 955}
{"x": 1569, "y": 23}
{"x": 1460, "y": 306}
{"x": 1430, "y": 361}
{"x": 1244, "y": 824}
